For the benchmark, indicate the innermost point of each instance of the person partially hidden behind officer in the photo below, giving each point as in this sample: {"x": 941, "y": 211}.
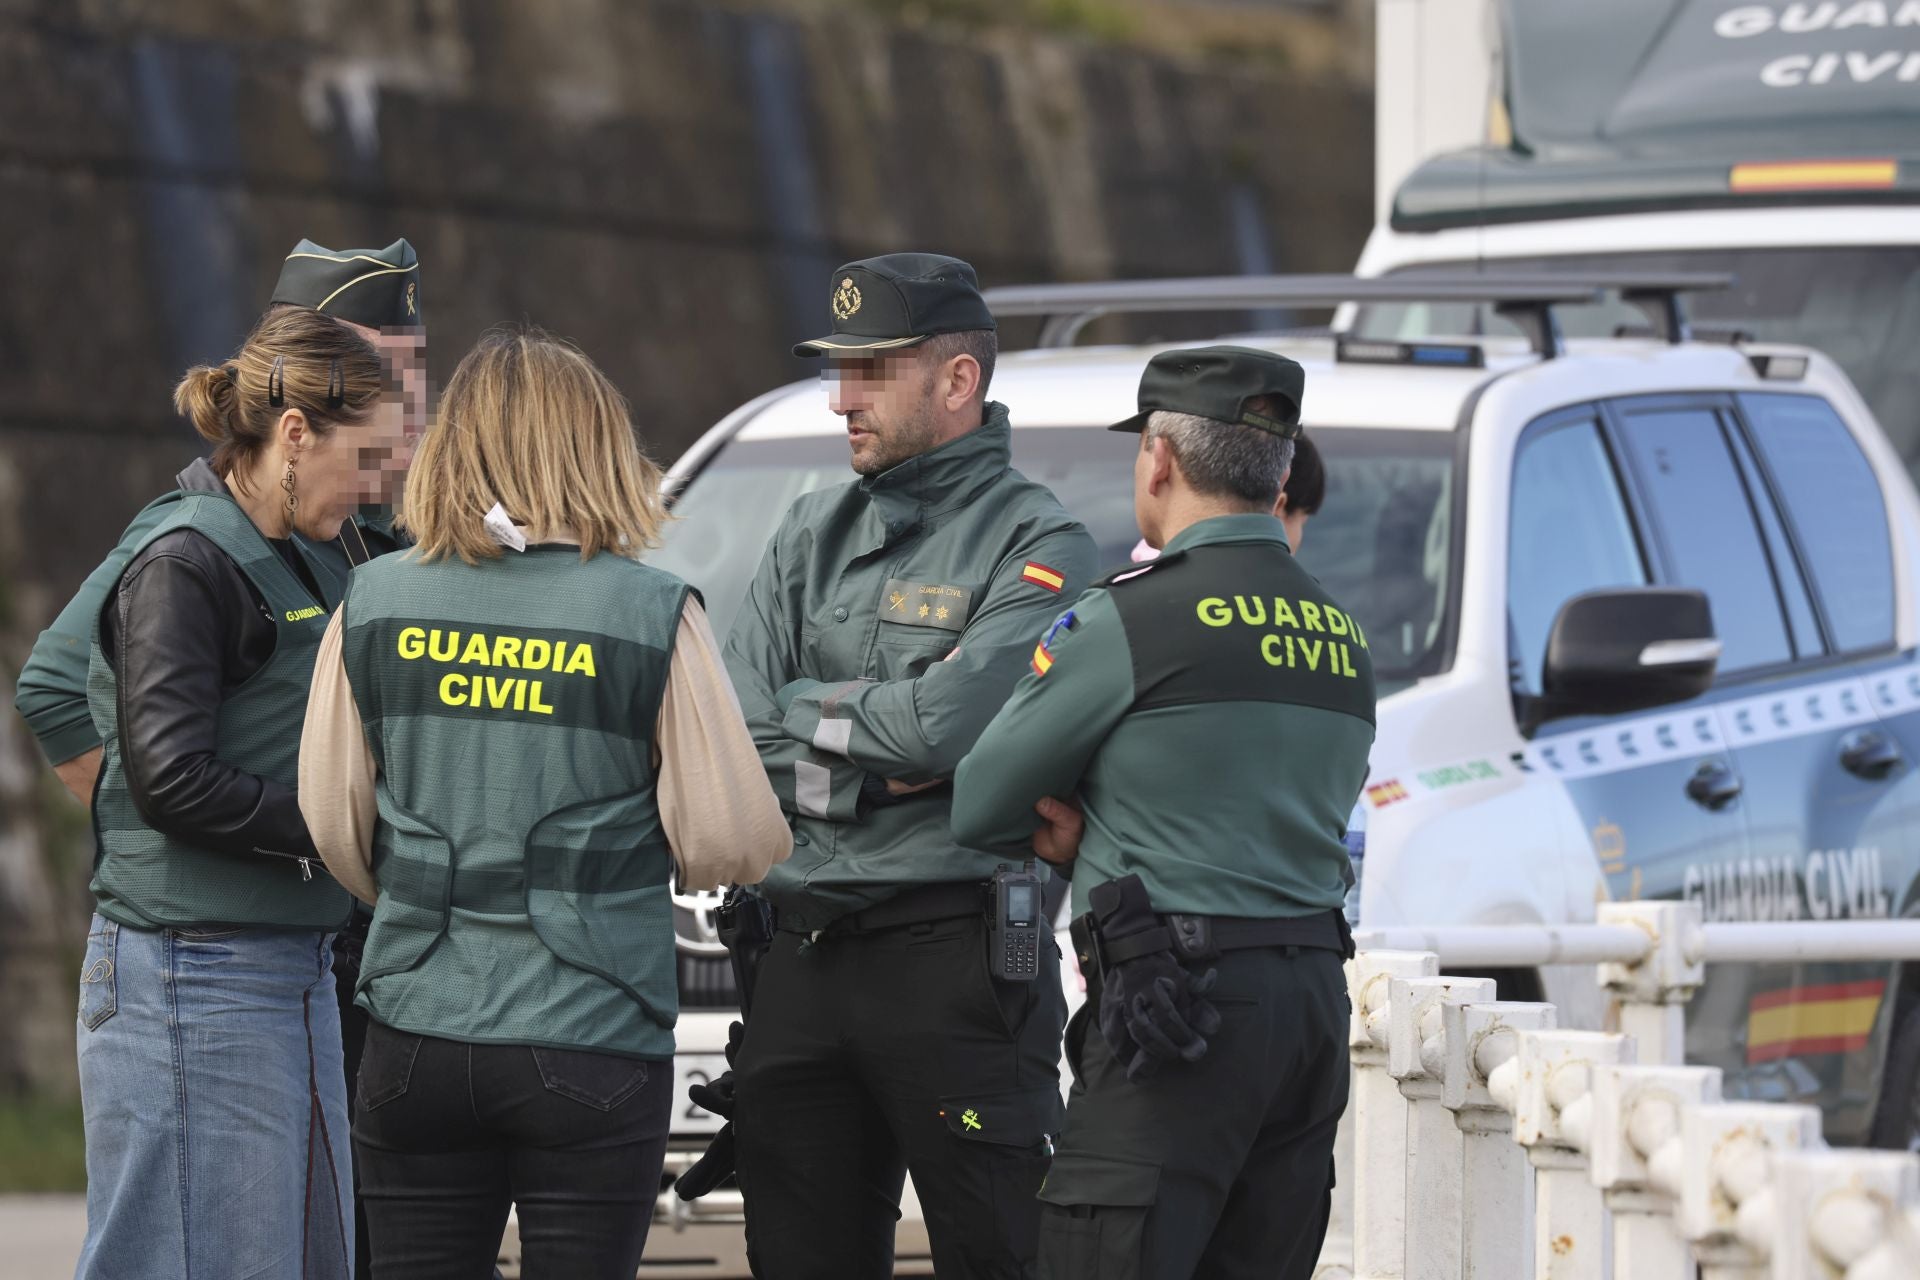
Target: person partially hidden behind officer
{"x": 1190, "y": 740}
{"x": 887, "y": 622}
{"x": 375, "y": 294}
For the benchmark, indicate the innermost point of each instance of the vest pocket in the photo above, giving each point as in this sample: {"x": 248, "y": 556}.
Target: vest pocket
{"x": 600, "y": 1080}
{"x": 99, "y": 979}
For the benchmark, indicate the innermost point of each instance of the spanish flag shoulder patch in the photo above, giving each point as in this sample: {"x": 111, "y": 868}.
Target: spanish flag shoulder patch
{"x": 1043, "y": 652}
{"x": 1041, "y": 576}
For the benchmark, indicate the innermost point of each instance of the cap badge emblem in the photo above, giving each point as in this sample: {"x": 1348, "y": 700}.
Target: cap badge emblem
{"x": 846, "y": 299}
{"x": 411, "y": 286}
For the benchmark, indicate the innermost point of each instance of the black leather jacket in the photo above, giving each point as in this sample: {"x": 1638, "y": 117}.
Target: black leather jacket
{"x": 182, "y": 630}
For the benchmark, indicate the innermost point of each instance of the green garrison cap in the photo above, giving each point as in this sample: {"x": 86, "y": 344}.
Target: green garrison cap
{"x": 1216, "y": 383}
{"x": 898, "y": 300}
{"x": 379, "y": 288}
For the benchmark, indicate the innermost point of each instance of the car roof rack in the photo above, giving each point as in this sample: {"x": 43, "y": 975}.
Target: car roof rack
{"x": 1526, "y": 299}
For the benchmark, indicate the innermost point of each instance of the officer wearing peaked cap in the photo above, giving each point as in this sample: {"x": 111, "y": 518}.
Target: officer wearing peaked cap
{"x": 1189, "y": 741}
{"x": 888, "y": 620}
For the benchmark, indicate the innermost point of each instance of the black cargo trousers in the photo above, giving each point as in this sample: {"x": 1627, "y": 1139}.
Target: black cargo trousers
{"x": 1220, "y": 1169}
{"x": 869, "y": 1055}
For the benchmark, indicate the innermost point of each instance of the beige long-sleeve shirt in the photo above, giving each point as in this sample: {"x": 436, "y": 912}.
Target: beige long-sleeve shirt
{"x": 720, "y": 815}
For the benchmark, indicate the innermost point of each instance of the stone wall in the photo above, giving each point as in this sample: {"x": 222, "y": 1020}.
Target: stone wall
{"x": 667, "y": 183}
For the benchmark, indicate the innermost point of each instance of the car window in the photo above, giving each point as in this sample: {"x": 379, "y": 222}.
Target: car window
{"x": 1569, "y": 533}
{"x": 1787, "y": 569}
{"x": 1706, "y": 528}
{"x": 1833, "y": 500}
{"x": 1382, "y": 543}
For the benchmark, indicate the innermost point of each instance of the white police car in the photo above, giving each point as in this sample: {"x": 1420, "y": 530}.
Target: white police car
{"x": 1509, "y": 519}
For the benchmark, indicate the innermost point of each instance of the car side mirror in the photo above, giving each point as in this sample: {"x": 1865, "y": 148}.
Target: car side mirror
{"x": 1625, "y": 649}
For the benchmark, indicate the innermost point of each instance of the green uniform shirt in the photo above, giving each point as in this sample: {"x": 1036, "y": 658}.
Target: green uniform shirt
{"x": 886, "y": 624}
{"x": 1212, "y": 710}
{"x": 51, "y": 693}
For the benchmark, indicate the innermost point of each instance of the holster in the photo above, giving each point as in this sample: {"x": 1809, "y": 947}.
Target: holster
{"x": 745, "y": 924}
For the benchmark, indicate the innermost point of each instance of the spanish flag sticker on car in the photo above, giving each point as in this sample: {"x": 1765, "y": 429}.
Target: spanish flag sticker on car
{"x": 1041, "y": 576}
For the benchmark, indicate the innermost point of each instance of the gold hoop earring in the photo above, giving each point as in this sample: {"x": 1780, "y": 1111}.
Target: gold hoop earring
{"x": 293, "y": 499}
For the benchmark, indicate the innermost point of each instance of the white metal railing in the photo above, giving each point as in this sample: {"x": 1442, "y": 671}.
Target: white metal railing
{"x": 1489, "y": 1144}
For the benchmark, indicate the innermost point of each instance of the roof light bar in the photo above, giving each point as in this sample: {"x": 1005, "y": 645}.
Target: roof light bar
{"x": 1448, "y": 355}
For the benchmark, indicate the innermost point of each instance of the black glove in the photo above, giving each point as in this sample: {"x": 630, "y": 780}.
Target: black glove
{"x": 717, "y": 1096}
{"x": 1153, "y": 1009}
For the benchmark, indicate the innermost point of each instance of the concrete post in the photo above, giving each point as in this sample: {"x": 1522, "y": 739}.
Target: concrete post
{"x": 1416, "y": 1057}
{"x": 1653, "y": 991}
{"x": 1379, "y": 1114}
{"x": 1727, "y": 1198}
{"x": 1846, "y": 1214}
{"x": 1478, "y": 1085}
{"x": 1553, "y": 1122}
{"x": 1635, "y": 1150}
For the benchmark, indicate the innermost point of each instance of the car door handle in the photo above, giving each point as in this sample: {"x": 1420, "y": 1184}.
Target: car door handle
{"x": 1714, "y": 785}
{"x": 1870, "y": 755}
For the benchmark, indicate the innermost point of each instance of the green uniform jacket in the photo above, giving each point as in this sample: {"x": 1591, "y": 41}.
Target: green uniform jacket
{"x": 840, "y": 656}
{"x": 1213, "y": 710}
{"x": 51, "y": 693}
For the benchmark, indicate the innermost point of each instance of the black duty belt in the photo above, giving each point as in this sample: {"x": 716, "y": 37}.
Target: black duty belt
{"x": 921, "y": 904}
{"x": 1191, "y": 937}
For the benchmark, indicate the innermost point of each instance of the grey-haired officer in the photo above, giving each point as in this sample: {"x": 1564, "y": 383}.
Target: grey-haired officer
{"x": 1190, "y": 741}
{"x": 887, "y": 622}
{"x": 375, "y": 292}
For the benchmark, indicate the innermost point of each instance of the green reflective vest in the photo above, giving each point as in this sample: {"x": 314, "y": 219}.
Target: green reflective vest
{"x": 147, "y": 880}
{"x": 523, "y": 869}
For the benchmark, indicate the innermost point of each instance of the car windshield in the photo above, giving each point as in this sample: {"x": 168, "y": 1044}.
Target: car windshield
{"x": 1382, "y": 543}
{"x": 1861, "y": 306}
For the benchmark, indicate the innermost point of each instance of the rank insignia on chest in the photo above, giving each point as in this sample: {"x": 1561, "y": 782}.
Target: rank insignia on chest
{"x": 1041, "y": 576}
{"x": 926, "y": 604}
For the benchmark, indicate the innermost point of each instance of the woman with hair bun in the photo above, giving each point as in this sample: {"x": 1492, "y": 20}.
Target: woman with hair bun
{"x": 209, "y": 1039}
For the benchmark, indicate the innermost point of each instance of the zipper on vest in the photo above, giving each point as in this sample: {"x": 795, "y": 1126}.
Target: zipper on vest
{"x": 306, "y": 864}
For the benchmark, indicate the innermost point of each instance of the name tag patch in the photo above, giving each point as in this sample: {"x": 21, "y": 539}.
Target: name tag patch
{"x": 925, "y": 604}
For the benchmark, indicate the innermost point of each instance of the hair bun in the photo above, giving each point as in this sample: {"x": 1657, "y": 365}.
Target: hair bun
{"x": 207, "y": 396}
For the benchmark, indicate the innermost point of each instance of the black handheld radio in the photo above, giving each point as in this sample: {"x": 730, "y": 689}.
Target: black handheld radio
{"x": 1014, "y": 926}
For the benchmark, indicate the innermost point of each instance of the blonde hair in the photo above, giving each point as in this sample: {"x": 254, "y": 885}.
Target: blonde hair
{"x": 306, "y": 360}
{"x": 529, "y": 422}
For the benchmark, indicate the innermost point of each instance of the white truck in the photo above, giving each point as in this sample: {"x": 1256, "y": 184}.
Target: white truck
{"x": 1776, "y": 142}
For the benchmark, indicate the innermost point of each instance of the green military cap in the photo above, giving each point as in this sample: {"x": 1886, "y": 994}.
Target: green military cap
{"x": 1216, "y": 383}
{"x": 379, "y": 288}
{"x": 898, "y": 300}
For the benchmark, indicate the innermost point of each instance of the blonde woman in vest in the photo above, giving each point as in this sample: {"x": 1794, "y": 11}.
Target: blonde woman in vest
{"x": 209, "y": 1040}
{"x": 519, "y": 732}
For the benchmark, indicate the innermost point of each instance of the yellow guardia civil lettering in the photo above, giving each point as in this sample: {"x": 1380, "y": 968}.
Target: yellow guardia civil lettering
{"x": 480, "y": 648}
{"x": 1299, "y": 633}
{"x": 301, "y": 615}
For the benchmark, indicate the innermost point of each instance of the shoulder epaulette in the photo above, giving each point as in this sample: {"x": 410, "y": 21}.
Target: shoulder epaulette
{"x": 1133, "y": 572}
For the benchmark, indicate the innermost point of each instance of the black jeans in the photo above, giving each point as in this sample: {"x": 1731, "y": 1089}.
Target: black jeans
{"x": 870, "y": 1055}
{"x": 448, "y": 1134}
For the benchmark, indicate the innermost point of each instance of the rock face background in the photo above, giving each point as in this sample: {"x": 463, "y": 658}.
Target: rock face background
{"x": 667, "y": 183}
